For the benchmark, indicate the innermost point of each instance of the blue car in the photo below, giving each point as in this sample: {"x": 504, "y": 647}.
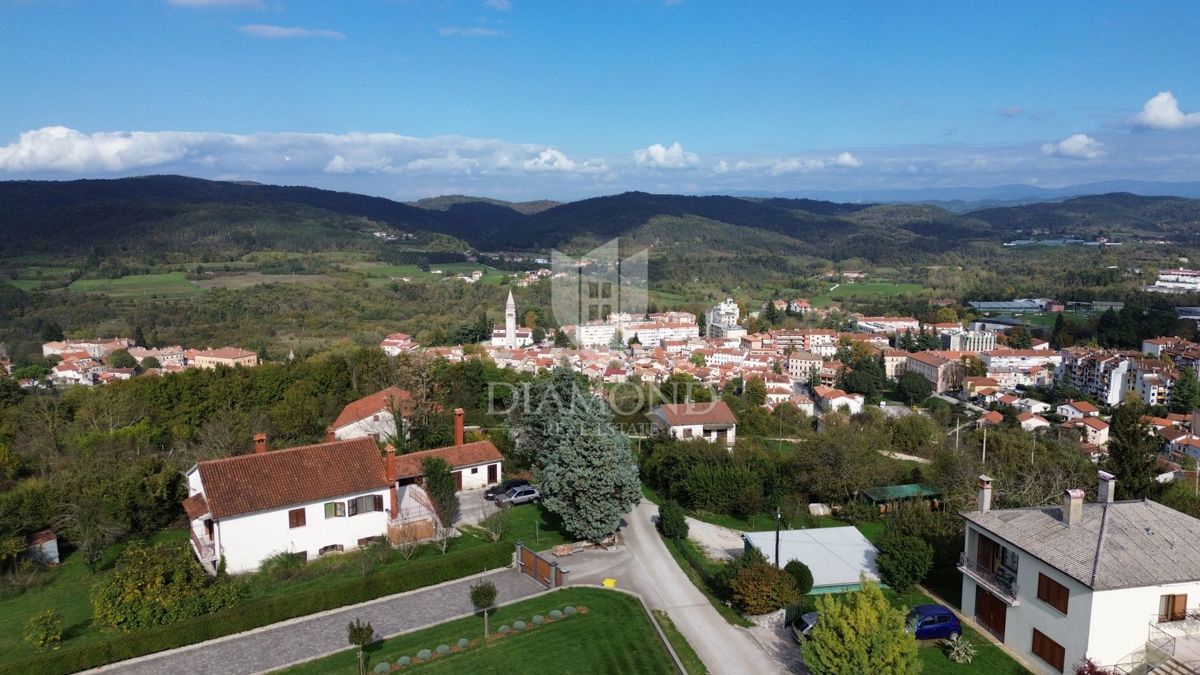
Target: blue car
{"x": 933, "y": 622}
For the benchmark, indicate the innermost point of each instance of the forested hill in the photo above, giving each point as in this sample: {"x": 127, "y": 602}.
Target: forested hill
{"x": 152, "y": 214}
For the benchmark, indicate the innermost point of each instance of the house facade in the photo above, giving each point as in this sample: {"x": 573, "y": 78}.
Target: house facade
{"x": 373, "y": 415}
{"x": 713, "y": 422}
{"x": 306, "y": 501}
{"x": 1099, "y": 580}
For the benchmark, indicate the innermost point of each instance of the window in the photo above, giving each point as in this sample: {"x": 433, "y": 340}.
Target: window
{"x": 1172, "y": 607}
{"x": 329, "y": 549}
{"x": 335, "y": 509}
{"x": 1048, "y": 650}
{"x": 296, "y": 518}
{"x": 1052, "y": 593}
{"x": 474, "y": 470}
{"x": 364, "y": 504}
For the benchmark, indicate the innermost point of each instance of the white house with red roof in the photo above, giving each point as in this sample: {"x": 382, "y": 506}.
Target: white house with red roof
{"x": 711, "y": 421}
{"x": 1073, "y": 410}
{"x": 396, "y": 344}
{"x": 1032, "y": 422}
{"x": 373, "y": 415}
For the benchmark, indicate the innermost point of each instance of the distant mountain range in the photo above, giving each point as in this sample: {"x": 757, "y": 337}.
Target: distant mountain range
{"x": 963, "y": 199}
{"x": 173, "y": 214}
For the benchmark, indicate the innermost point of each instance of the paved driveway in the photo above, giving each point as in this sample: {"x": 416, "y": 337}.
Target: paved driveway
{"x": 284, "y": 643}
{"x": 472, "y": 508}
{"x": 644, "y": 565}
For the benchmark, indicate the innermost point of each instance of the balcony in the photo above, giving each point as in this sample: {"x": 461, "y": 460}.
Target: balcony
{"x": 1003, "y": 588}
{"x": 206, "y": 551}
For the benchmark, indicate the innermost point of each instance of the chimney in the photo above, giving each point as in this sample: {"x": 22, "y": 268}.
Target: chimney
{"x": 329, "y": 435}
{"x": 1072, "y": 509}
{"x": 260, "y": 443}
{"x": 458, "y": 426}
{"x": 985, "y": 494}
{"x": 390, "y": 470}
{"x": 390, "y": 462}
{"x": 1108, "y": 488}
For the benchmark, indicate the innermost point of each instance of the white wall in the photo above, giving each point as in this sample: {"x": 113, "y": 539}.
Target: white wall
{"x": 1121, "y": 618}
{"x": 380, "y": 429}
{"x": 247, "y": 540}
{"x": 475, "y": 477}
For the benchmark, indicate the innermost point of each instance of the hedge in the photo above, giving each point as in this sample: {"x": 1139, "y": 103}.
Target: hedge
{"x": 256, "y": 613}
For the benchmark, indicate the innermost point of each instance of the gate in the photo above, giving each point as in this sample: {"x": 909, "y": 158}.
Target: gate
{"x": 541, "y": 570}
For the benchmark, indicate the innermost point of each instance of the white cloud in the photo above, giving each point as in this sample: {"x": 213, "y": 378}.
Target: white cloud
{"x": 1011, "y": 111}
{"x": 60, "y": 149}
{"x": 659, "y": 157}
{"x": 243, "y": 4}
{"x": 1078, "y": 146}
{"x": 1162, "y": 112}
{"x": 269, "y": 32}
{"x": 499, "y": 5}
{"x": 721, "y": 167}
{"x": 846, "y": 159}
{"x": 459, "y": 31}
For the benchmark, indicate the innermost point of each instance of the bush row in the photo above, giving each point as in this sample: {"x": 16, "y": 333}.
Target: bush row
{"x": 267, "y": 611}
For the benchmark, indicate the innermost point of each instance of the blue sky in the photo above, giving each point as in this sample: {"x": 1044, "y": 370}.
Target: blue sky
{"x": 570, "y": 98}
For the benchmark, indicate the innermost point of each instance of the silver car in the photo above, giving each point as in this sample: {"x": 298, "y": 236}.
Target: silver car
{"x": 518, "y": 495}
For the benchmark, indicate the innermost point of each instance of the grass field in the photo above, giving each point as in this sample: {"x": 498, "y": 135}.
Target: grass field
{"x": 248, "y": 279}
{"x": 865, "y": 290}
{"x": 691, "y": 660}
{"x": 25, "y": 284}
{"x": 67, "y": 588}
{"x": 66, "y": 591}
{"x": 612, "y": 636}
{"x": 168, "y": 285}
{"x": 491, "y": 275}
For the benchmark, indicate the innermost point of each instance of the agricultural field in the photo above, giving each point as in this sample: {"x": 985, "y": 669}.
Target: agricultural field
{"x": 865, "y": 290}
{"x": 167, "y": 285}
{"x": 248, "y": 279}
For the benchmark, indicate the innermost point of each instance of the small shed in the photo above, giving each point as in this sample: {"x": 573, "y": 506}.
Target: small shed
{"x": 886, "y": 498}
{"x": 43, "y": 547}
{"x": 836, "y": 556}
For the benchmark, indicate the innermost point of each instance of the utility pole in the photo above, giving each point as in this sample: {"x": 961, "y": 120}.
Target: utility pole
{"x": 778, "y": 518}
{"x": 984, "y": 460}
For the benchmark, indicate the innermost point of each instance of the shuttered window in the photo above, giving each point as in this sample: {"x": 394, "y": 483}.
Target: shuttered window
{"x": 1048, "y": 650}
{"x": 364, "y": 504}
{"x": 1052, "y": 593}
{"x": 296, "y": 518}
{"x": 1172, "y": 608}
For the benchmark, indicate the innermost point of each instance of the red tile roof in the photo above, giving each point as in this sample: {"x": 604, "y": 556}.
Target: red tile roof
{"x": 1083, "y": 406}
{"x": 272, "y": 480}
{"x": 708, "y": 414}
{"x": 457, "y": 456}
{"x": 373, "y": 404}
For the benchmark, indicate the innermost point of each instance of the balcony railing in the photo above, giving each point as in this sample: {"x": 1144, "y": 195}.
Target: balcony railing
{"x": 205, "y": 548}
{"x": 1006, "y": 588}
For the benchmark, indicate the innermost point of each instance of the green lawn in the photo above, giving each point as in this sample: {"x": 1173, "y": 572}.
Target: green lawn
{"x": 691, "y": 660}
{"x": 25, "y": 284}
{"x": 612, "y": 636}
{"x": 66, "y": 591}
{"x": 166, "y": 285}
{"x": 67, "y": 588}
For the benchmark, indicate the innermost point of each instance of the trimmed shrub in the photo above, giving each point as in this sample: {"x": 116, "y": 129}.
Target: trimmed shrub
{"x": 44, "y": 629}
{"x": 424, "y": 655}
{"x": 903, "y": 560}
{"x": 381, "y": 668}
{"x": 463, "y": 643}
{"x": 518, "y": 625}
{"x": 253, "y": 614}
{"x": 570, "y": 610}
{"x": 443, "y": 649}
{"x": 538, "y": 619}
{"x": 404, "y": 661}
{"x": 761, "y": 588}
{"x": 556, "y": 615}
{"x": 672, "y": 521}
{"x": 505, "y": 630}
{"x": 803, "y": 576}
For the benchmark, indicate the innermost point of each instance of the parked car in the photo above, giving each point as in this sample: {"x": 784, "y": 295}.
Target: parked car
{"x": 933, "y": 622}
{"x": 503, "y": 486}
{"x": 804, "y": 625}
{"x": 518, "y": 495}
